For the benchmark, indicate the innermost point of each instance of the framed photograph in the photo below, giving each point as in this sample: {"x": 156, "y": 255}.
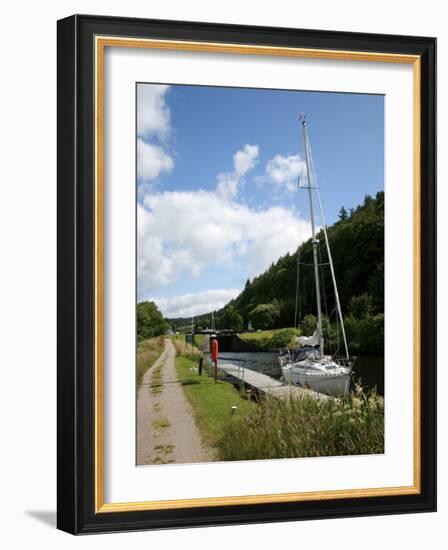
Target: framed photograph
{"x": 246, "y": 274}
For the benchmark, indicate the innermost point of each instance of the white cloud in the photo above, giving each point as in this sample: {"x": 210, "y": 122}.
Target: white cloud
{"x": 227, "y": 185}
{"x": 285, "y": 171}
{"x": 153, "y": 114}
{"x": 243, "y": 161}
{"x": 152, "y": 160}
{"x": 189, "y": 305}
{"x": 153, "y": 129}
{"x": 183, "y": 233}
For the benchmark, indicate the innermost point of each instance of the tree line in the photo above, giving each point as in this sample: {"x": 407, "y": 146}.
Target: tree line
{"x": 357, "y": 248}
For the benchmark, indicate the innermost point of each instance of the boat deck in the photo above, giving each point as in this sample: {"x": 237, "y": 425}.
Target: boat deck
{"x": 266, "y": 384}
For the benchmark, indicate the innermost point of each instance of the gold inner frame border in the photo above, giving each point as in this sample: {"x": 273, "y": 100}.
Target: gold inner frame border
{"x": 101, "y": 42}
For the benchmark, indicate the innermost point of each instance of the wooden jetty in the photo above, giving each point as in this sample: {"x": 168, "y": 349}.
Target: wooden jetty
{"x": 266, "y": 384}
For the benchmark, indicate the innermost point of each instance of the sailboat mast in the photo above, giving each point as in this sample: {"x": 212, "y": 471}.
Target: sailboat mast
{"x": 333, "y": 277}
{"x": 314, "y": 240}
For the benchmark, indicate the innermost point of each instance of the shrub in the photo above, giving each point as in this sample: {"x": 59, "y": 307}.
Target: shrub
{"x": 264, "y": 316}
{"x": 309, "y": 325}
{"x": 360, "y": 306}
{"x": 150, "y": 321}
{"x": 283, "y": 338}
{"x": 366, "y": 335}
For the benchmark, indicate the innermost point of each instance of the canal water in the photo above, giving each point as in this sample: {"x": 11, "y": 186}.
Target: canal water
{"x": 368, "y": 370}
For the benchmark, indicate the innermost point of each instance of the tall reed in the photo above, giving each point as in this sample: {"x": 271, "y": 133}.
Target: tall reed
{"x": 307, "y": 427}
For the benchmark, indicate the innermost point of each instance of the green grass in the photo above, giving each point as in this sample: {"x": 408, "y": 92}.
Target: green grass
{"x": 158, "y": 460}
{"x": 161, "y": 423}
{"x": 186, "y": 350}
{"x": 306, "y": 428}
{"x": 180, "y": 339}
{"x": 275, "y": 338}
{"x": 148, "y": 352}
{"x": 165, "y": 449}
{"x": 156, "y": 388}
{"x": 275, "y": 428}
{"x": 198, "y": 339}
{"x": 156, "y": 379}
{"x": 212, "y": 403}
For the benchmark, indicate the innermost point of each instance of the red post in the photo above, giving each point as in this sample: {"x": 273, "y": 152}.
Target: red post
{"x": 215, "y": 353}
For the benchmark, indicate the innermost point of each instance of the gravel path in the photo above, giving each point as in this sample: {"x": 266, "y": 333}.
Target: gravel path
{"x": 166, "y": 430}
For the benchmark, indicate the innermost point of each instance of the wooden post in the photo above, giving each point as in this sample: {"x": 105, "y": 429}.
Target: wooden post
{"x": 200, "y": 367}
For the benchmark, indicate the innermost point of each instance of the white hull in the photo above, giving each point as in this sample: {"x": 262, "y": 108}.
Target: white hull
{"x": 322, "y": 383}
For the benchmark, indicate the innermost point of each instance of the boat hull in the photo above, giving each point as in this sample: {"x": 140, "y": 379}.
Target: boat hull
{"x": 330, "y": 385}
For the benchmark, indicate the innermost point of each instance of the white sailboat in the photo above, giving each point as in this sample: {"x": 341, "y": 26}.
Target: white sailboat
{"x": 308, "y": 365}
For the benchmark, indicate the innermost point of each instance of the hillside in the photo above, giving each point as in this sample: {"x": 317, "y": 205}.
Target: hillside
{"x": 357, "y": 246}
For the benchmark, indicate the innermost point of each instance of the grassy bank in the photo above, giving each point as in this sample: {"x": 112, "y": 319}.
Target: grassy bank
{"x": 274, "y": 428}
{"x": 212, "y": 403}
{"x": 276, "y": 338}
{"x": 198, "y": 340}
{"x": 306, "y": 427}
{"x": 186, "y": 350}
{"x": 148, "y": 352}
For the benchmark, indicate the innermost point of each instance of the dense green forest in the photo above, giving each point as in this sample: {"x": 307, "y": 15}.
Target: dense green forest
{"x": 357, "y": 247}
{"x": 150, "y": 321}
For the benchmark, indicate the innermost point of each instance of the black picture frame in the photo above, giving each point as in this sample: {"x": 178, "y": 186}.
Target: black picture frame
{"x": 76, "y": 286}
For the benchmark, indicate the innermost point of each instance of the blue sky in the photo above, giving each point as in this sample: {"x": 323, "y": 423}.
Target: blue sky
{"x": 217, "y": 182}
